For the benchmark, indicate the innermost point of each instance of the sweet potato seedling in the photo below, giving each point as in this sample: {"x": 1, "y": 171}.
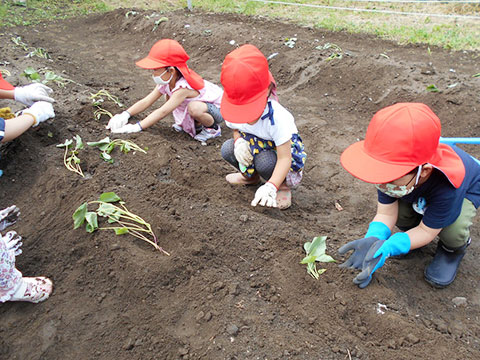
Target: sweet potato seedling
{"x": 98, "y": 98}
{"x": 316, "y": 252}
{"x": 124, "y": 221}
{"x": 39, "y": 52}
{"x": 106, "y": 146}
{"x": 101, "y": 111}
{"x": 70, "y": 158}
{"x": 49, "y": 76}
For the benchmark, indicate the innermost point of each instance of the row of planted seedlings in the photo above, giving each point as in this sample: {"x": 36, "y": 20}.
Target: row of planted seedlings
{"x": 109, "y": 207}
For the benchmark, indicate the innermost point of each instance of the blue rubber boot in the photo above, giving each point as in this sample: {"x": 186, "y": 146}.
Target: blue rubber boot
{"x": 443, "y": 269}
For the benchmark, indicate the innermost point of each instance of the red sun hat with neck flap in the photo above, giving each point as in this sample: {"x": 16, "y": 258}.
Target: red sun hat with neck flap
{"x": 246, "y": 82}
{"x": 399, "y": 138}
{"x": 168, "y": 52}
{"x": 4, "y": 84}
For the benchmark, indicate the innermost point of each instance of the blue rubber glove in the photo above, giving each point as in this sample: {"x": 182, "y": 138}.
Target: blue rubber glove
{"x": 376, "y": 231}
{"x": 381, "y": 250}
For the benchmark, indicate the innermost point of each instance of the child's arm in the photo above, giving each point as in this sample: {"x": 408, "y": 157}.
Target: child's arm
{"x": 236, "y": 135}
{"x": 17, "y": 126}
{"x": 387, "y": 214}
{"x": 282, "y": 167}
{"x": 421, "y": 235}
{"x": 120, "y": 120}
{"x": 7, "y": 94}
{"x": 145, "y": 103}
{"x": 35, "y": 114}
{"x": 171, "y": 104}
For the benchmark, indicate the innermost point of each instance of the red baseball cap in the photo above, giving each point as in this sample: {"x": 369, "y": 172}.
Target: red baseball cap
{"x": 168, "y": 52}
{"x": 399, "y": 138}
{"x": 246, "y": 82}
{"x": 4, "y": 84}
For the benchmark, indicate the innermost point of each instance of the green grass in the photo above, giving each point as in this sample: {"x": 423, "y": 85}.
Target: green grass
{"x": 37, "y": 11}
{"x": 447, "y": 33}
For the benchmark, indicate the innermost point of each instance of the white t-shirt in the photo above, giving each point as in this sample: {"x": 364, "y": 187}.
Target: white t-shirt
{"x": 280, "y": 132}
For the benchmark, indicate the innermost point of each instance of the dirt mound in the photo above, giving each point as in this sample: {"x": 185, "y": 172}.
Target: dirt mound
{"x": 233, "y": 287}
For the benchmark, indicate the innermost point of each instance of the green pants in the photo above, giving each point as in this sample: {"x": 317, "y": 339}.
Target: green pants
{"x": 452, "y": 236}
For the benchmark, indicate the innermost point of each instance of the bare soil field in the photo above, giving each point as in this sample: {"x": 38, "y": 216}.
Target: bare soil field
{"x": 233, "y": 287}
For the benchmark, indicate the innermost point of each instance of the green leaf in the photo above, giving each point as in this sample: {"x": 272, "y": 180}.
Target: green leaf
{"x": 109, "y": 197}
{"x": 109, "y": 148}
{"x": 308, "y": 259}
{"x": 476, "y": 75}
{"x": 106, "y": 209}
{"x": 317, "y": 247}
{"x": 324, "y": 258}
{"x": 432, "y": 88}
{"x": 79, "y": 215}
{"x": 114, "y": 217}
{"x": 30, "y": 71}
{"x": 79, "y": 141}
{"x": 106, "y": 157}
{"x": 121, "y": 231}
{"x": 104, "y": 141}
{"x": 92, "y": 222}
{"x": 67, "y": 143}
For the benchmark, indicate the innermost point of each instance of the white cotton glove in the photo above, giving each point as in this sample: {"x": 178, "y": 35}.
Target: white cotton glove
{"x": 242, "y": 152}
{"x": 119, "y": 120}
{"x": 266, "y": 195}
{"x": 41, "y": 111}
{"x": 32, "y": 93}
{"x": 8, "y": 216}
{"x": 13, "y": 242}
{"x": 129, "y": 128}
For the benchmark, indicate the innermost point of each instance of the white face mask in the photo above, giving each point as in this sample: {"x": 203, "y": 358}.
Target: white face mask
{"x": 159, "y": 81}
{"x": 398, "y": 191}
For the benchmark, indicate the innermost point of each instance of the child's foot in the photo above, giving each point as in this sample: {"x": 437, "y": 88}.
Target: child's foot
{"x": 33, "y": 289}
{"x": 208, "y": 133}
{"x": 177, "y": 128}
{"x": 239, "y": 179}
{"x": 284, "y": 197}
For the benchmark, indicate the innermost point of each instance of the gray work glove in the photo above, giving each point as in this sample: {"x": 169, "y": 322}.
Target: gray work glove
{"x": 8, "y": 216}
{"x": 360, "y": 248}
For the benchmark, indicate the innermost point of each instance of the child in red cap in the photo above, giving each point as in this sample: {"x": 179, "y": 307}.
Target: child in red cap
{"x": 193, "y": 101}
{"x": 424, "y": 187}
{"x": 265, "y": 140}
{"x": 13, "y": 286}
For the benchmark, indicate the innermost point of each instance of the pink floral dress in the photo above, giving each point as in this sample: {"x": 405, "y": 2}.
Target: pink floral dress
{"x": 210, "y": 93}
{"x": 10, "y": 277}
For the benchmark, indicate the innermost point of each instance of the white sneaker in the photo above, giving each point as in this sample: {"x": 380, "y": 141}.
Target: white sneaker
{"x": 177, "y": 128}
{"x": 208, "y": 133}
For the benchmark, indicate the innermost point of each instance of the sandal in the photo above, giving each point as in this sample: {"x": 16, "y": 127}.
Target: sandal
{"x": 33, "y": 289}
{"x": 239, "y": 179}
{"x": 284, "y": 198}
